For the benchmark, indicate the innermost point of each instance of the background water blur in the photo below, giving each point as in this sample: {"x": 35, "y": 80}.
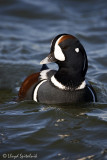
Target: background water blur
{"x": 51, "y": 132}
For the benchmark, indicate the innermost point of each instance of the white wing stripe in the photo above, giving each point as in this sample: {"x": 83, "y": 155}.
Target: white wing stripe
{"x": 36, "y": 90}
{"x": 92, "y": 93}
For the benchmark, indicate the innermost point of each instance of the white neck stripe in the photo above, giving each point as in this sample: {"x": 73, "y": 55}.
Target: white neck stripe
{"x": 82, "y": 85}
{"x": 61, "y": 86}
{"x": 57, "y": 84}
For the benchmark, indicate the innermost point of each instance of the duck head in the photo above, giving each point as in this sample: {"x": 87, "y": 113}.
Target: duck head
{"x": 69, "y": 54}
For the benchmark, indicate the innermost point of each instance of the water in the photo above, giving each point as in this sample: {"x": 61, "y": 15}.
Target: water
{"x": 34, "y": 131}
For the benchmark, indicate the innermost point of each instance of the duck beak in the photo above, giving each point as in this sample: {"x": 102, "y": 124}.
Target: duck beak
{"x": 49, "y": 59}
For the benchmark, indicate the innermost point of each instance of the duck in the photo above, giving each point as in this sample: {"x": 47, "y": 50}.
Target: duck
{"x": 68, "y": 84}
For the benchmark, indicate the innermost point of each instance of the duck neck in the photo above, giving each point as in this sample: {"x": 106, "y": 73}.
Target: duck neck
{"x": 69, "y": 78}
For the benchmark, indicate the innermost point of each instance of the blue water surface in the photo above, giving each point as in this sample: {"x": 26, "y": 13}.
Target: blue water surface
{"x": 35, "y": 131}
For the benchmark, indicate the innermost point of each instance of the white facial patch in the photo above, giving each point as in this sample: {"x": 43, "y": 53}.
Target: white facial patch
{"x": 77, "y": 50}
{"x": 59, "y": 55}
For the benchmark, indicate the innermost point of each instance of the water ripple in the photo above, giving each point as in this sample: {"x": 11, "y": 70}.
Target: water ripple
{"x": 52, "y": 132}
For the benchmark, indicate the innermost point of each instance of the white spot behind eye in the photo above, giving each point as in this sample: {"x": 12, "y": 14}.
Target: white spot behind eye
{"x": 77, "y": 50}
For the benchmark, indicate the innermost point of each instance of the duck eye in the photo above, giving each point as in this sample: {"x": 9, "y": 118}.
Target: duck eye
{"x": 77, "y": 50}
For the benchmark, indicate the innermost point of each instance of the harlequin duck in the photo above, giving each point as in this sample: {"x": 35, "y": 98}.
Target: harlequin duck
{"x": 68, "y": 84}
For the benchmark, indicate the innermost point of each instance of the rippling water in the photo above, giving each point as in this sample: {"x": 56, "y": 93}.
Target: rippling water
{"x": 46, "y": 132}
